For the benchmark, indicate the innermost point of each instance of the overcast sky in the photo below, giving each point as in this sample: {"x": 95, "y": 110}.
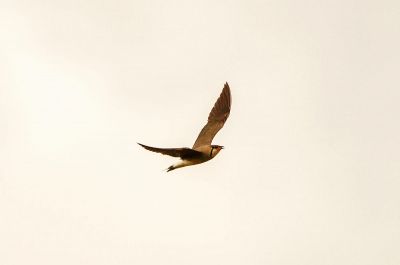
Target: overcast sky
{"x": 310, "y": 173}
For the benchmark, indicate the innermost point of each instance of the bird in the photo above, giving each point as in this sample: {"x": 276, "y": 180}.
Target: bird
{"x": 202, "y": 150}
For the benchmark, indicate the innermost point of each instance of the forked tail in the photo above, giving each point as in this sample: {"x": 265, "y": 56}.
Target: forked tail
{"x": 171, "y": 168}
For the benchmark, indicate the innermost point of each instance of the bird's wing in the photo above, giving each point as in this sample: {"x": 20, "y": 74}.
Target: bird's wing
{"x": 176, "y": 152}
{"x": 216, "y": 119}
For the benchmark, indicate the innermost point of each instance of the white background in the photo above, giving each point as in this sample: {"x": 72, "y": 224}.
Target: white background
{"x": 310, "y": 173}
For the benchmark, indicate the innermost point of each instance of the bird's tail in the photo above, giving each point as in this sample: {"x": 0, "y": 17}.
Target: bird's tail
{"x": 179, "y": 164}
{"x": 171, "y": 168}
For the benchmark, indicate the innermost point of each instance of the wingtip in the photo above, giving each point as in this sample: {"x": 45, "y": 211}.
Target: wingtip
{"x": 227, "y": 89}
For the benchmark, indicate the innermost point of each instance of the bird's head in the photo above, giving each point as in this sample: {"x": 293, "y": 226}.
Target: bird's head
{"x": 215, "y": 149}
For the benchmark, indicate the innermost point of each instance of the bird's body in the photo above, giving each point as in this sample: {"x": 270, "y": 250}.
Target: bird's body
{"x": 202, "y": 149}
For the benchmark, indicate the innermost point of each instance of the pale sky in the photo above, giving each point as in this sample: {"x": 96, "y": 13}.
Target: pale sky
{"x": 310, "y": 173}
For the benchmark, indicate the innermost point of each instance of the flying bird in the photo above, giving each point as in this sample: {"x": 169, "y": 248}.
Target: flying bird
{"x": 202, "y": 149}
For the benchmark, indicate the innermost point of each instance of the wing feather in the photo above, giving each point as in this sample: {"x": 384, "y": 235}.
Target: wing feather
{"x": 176, "y": 152}
{"x": 216, "y": 119}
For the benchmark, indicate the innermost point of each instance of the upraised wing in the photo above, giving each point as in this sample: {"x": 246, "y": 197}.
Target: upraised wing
{"x": 176, "y": 152}
{"x": 216, "y": 119}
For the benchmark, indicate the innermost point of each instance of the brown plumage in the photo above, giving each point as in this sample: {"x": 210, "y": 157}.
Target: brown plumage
{"x": 183, "y": 153}
{"x": 216, "y": 119}
{"x": 202, "y": 150}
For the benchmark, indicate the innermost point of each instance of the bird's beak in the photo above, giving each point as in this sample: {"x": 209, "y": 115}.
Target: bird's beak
{"x": 222, "y": 147}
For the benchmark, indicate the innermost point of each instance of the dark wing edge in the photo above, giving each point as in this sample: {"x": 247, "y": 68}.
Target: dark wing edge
{"x": 222, "y": 107}
{"x": 216, "y": 119}
{"x": 175, "y": 152}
